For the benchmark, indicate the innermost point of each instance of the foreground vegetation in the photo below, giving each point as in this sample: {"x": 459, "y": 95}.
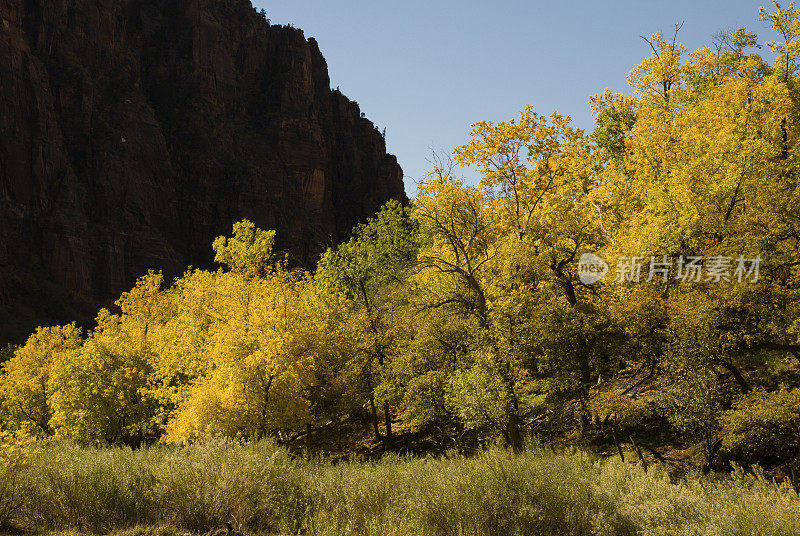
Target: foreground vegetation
{"x": 258, "y": 488}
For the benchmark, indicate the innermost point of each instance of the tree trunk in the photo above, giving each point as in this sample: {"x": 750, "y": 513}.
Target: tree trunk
{"x": 514, "y": 435}
{"x": 616, "y": 442}
{"x": 737, "y": 375}
{"x": 586, "y": 380}
{"x": 639, "y": 452}
{"x": 389, "y": 439}
{"x": 374, "y": 413}
{"x": 784, "y": 140}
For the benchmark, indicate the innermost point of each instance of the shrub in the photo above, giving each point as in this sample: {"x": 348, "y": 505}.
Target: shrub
{"x": 536, "y": 493}
{"x": 259, "y": 489}
{"x": 93, "y": 490}
{"x": 624, "y": 410}
{"x": 254, "y": 486}
{"x": 763, "y": 424}
{"x": 16, "y": 450}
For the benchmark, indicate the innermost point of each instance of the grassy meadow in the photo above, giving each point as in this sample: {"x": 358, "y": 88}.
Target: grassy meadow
{"x": 259, "y": 488}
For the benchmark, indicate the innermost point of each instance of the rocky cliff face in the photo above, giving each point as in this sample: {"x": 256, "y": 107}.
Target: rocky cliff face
{"x": 132, "y": 132}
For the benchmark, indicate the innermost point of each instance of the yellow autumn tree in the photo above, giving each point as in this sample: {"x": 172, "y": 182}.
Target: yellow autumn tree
{"x": 258, "y": 370}
{"x": 27, "y": 382}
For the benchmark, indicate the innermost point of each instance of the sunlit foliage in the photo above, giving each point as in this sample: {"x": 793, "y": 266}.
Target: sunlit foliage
{"x": 465, "y": 310}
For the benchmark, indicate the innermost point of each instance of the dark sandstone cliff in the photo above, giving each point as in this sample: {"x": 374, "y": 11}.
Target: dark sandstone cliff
{"x": 132, "y": 132}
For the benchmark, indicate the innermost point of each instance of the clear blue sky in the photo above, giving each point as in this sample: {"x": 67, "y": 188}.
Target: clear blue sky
{"x": 427, "y": 70}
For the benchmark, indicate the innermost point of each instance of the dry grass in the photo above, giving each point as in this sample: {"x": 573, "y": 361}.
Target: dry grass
{"x": 259, "y": 489}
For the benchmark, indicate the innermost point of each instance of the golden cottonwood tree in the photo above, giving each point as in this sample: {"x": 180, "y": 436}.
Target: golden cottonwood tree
{"x": 543, "y": 176}
{"x": 257, "y": 370}
{"x": 99, "y": 393}
{"x": 461, "y": 237}
{"x": 708, "y": 170}
{"x": 26, "y": 380}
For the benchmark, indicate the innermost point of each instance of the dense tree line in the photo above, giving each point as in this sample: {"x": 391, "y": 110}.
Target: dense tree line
{"x": 467, "y": 309}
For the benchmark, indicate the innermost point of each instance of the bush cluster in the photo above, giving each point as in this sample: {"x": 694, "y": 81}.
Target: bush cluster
{"x": 257, "y": 487}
